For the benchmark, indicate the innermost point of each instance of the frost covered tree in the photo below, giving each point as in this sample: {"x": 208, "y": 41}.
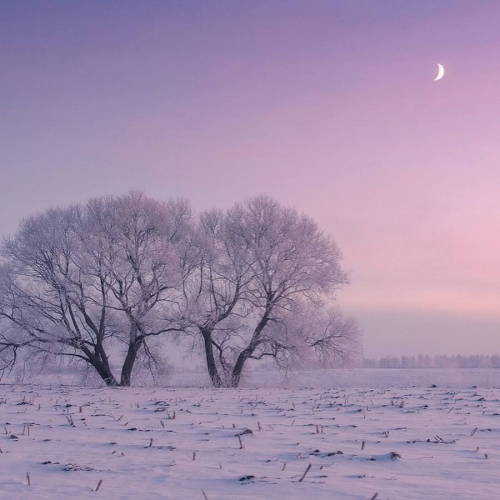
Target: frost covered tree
{"x": 216, "y": 279}
{"x": 87, "y": 280}
{"x": 143, "y": 243}
{"x": 104, "y": 281}
{"x": 49, "y": 298}
{"x": 260, "y": 266}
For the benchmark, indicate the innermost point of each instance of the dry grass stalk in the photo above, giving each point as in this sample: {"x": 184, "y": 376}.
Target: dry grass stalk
{"x": 308, "y": 468}
{"x": 69, "y": 418}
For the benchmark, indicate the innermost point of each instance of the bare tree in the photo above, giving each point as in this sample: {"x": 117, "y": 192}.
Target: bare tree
{"x": 144, "y": 242}
{"x": 99, "y": 282}
{"x": 74, "y": 280}
{"x": 215, "y": 278}
{"x": 50, "y": 300}
{"x": 263, "y": 263}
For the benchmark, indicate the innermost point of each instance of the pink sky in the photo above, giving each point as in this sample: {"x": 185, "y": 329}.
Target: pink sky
{"x": 328, "y": 106}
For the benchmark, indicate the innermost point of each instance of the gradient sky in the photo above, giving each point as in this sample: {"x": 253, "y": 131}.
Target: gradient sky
{"x": 330, "y": 106}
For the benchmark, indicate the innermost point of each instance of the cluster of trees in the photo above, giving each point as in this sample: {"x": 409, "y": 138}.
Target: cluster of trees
{"x": 438, "y": 361}
{"x": 109, "y": 281}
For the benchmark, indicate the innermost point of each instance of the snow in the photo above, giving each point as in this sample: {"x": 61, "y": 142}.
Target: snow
{"x": 394, "y": 441}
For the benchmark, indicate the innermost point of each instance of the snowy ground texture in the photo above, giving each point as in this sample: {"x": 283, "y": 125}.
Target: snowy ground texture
{"x": 353, "y": 443}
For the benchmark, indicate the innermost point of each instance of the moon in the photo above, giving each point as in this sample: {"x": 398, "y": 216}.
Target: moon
{"x": 440, "y": 72}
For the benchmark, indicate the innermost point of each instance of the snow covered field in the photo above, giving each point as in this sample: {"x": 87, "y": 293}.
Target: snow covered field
{"x": 340, "y": 443}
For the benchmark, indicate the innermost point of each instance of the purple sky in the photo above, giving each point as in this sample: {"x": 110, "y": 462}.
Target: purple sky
{"x": 329, "y": 106}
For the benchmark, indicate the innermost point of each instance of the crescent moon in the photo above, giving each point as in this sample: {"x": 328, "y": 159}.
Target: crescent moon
{"x": 440, "y": 72}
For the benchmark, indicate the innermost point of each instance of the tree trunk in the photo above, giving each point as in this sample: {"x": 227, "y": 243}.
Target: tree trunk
{"x": 238, "y": 367}
{"x": 100, "y": 365}
{"x": 104, "y": 372}
{"x": 249, "y": 350}
{"x": 128, "y": 364}
{"x": 109, "y": 378}
{"x": 209, "y": 355}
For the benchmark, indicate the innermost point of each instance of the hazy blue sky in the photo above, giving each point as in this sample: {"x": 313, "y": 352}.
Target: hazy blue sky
{"x": 329, "y": 106}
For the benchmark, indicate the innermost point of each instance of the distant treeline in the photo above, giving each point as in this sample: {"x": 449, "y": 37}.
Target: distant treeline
{"x": 426, "y": 361}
